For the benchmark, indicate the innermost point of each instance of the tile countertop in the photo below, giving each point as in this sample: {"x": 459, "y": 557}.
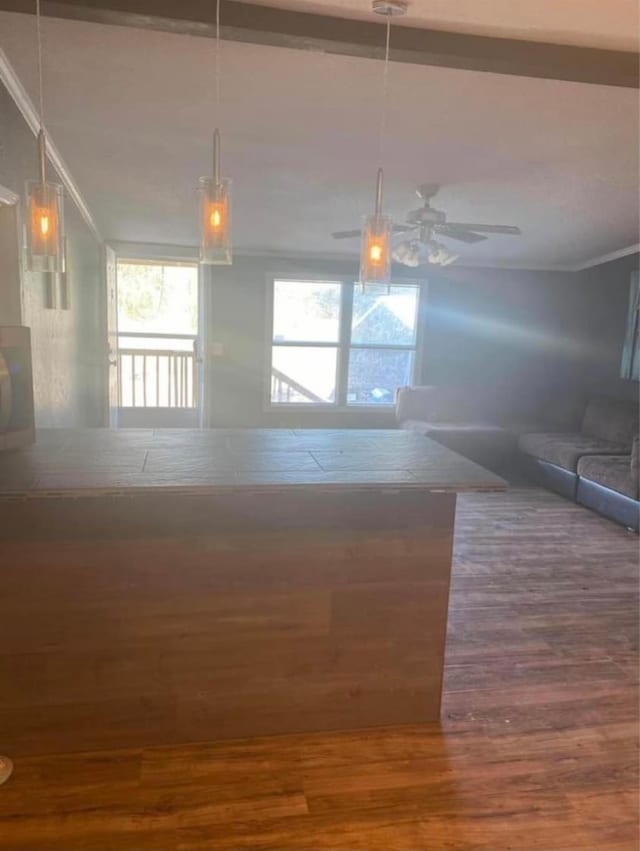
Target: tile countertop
{"x": 104, "y": 461}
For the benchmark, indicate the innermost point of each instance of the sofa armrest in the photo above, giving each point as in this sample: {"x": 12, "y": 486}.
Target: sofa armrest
{"x": 415, "y": 403}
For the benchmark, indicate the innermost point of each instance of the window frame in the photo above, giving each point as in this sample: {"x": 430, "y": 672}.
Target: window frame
{"x": 344, "y": 345}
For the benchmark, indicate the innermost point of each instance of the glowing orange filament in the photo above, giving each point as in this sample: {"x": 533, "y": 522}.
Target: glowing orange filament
{"x": 217, "y": 218}
{"x": 375, "y": 253}
{"x": 44, "y": 228}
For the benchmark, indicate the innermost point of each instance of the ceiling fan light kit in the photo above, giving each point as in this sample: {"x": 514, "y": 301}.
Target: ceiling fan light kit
{"x": 407, "y": 253}
{"x": 439, "y": 254}
{"x": 419, "y": 244}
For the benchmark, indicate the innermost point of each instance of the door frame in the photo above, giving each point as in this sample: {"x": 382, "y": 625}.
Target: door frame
{"x": 111, "y": 342}
{"x": 168, "y": 254}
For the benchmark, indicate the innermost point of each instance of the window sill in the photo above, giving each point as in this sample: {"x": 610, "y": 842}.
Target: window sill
{"x": 317, "y": 406}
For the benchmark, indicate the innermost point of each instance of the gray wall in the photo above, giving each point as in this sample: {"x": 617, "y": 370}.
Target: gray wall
{"x": 602, "y": 316}
{"x": 238, "y": 319}
{"x": 520, "y": 335}
{"x": 517, "y": 337}
{"x": 68, "y": 356}
{"x": 10, "y": 308}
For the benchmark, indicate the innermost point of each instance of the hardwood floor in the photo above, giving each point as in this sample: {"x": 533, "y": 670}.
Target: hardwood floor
{"x": 537, "y": 749}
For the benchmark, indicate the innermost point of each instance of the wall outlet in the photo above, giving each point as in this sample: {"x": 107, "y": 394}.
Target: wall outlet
{"x": 217, "y": 350}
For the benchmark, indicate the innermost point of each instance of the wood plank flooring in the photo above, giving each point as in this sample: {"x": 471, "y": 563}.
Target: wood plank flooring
{"x": 537, "y": 749}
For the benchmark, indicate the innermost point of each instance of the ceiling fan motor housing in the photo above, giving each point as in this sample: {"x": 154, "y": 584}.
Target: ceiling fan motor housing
{"x": 427, "y": 216}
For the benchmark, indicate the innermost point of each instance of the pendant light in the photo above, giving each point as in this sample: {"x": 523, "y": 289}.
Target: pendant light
{"x": 375, "y": 253}
{"x": 215, "y": 192}
{"x": 45, "y": 218}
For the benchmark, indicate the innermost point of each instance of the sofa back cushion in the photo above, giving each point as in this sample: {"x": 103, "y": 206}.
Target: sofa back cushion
{"x": 611, "y": 419}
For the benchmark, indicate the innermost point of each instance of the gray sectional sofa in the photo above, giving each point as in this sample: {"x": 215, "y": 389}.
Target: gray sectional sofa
{"x": 609, "y": 484}
{"x": 586, "y": 452}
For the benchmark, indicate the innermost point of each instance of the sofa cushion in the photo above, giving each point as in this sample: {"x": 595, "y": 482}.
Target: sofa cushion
{"x": 566, "y": 449}
{"x": 611, "y": 419}
{"x": 610, "y": 471}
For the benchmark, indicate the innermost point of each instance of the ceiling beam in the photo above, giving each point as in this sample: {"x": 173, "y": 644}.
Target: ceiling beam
{"x": 265, "y": 25}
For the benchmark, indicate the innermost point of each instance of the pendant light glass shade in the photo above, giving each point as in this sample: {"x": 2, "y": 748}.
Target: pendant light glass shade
{"x": 215, "y": 214}
{"x": 375, "y": 251}
{"x": 215, "y": 221}
{"x": 375, "y": 254}
{"x": 45, "y": 227}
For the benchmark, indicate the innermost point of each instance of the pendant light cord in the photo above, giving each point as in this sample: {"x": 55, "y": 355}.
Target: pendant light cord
{"x": 385, "y": 87}
{"x": 40, "y": 78}
{"x": 217, "y": 61}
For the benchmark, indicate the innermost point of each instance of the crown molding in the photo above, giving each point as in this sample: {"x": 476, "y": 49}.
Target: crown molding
{"x": 8, "y": 196}
{"x": 607, "y": 258}
{"x": 189, "y": 253}
{"x": 30, "y": 114}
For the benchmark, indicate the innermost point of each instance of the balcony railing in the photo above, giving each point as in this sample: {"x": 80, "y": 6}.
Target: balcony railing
{"x": 286, "y": 390}
{"x": 157, "y": 377}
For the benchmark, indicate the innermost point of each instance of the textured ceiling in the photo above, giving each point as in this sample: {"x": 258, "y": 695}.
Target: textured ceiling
{"x": 132, "y": 112}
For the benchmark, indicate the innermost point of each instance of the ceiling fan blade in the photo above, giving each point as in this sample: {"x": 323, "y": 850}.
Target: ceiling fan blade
{"x": 459, "y": 233}
{"x": 509, "y": 230}
{"x": 349, "y": 234}
{"x": 346, "y": 234}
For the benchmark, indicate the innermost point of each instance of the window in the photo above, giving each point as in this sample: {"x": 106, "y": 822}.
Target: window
{"x": 334, "y": 345}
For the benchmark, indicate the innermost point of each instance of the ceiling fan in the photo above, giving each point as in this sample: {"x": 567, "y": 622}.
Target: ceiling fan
{"x": 424, "y": 225}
